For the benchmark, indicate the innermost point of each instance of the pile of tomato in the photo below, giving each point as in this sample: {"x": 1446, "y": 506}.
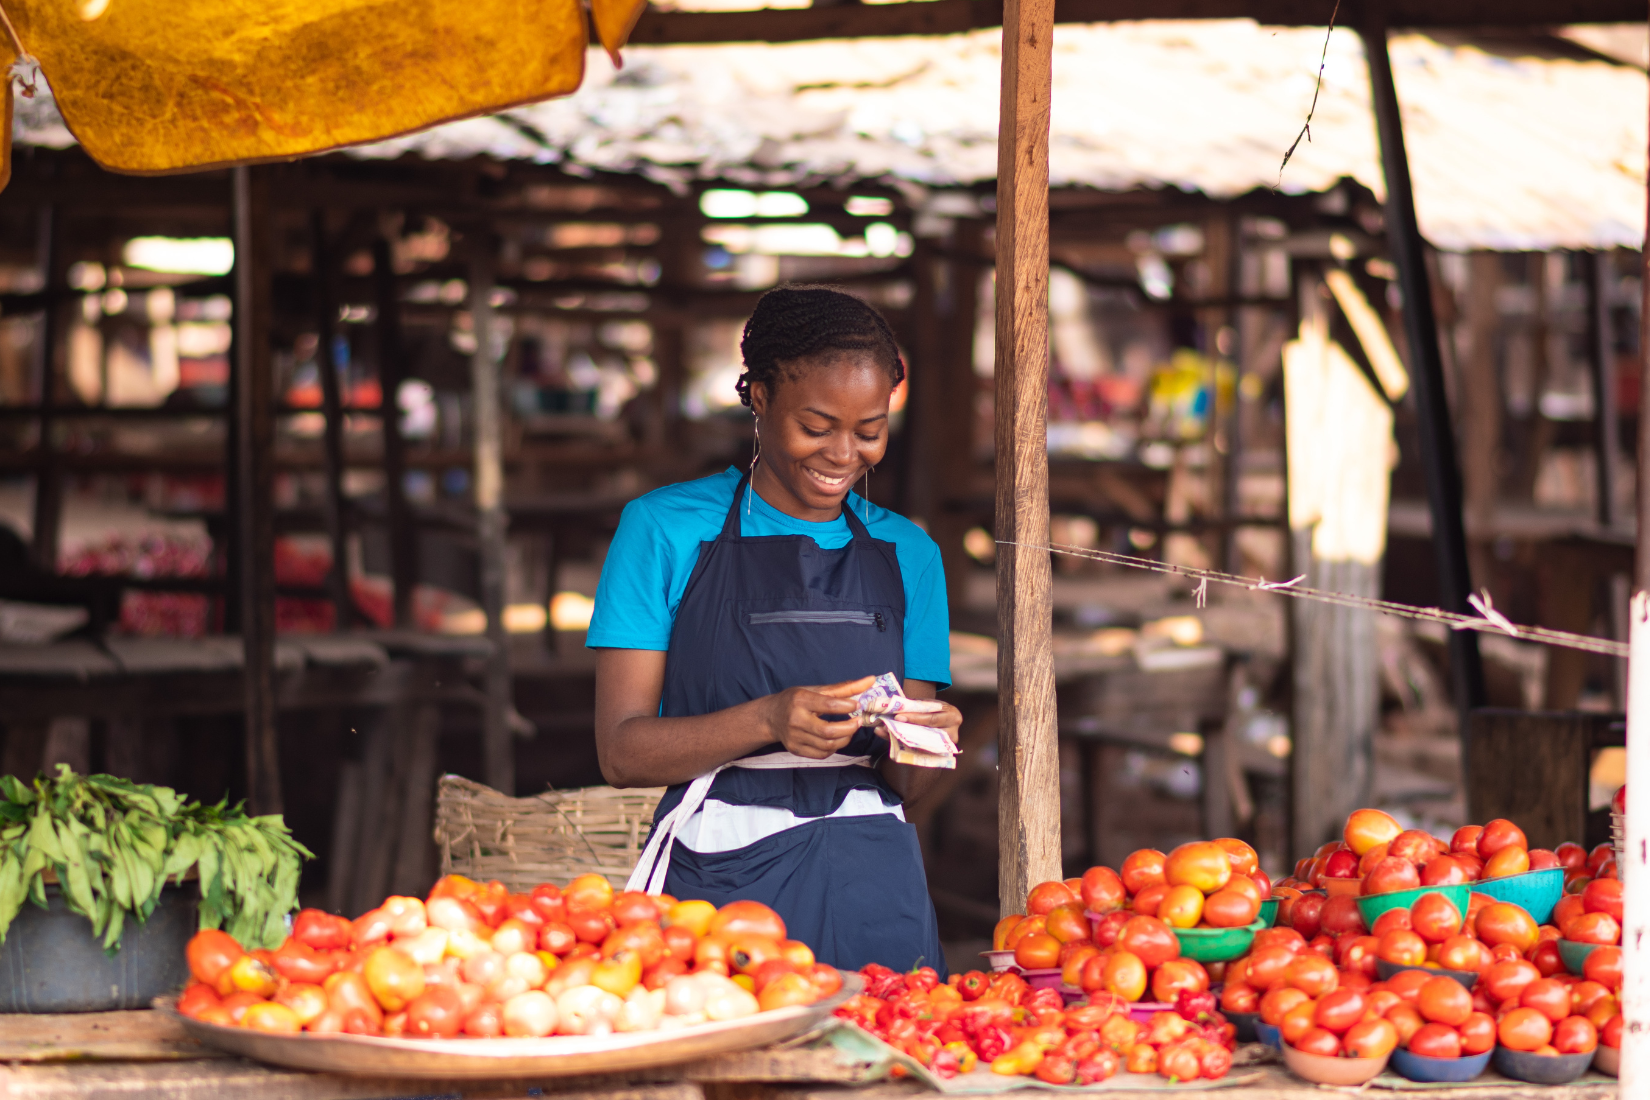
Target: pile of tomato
{"x": 474, "y": 960}
{"x": 1383, "y": 857}
{"x": 1000, "y": 1021}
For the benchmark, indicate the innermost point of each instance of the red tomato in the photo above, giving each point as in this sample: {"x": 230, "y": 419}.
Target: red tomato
{"x": 1341, "y": 916}
{"x": 1312, "y": 974}
{"x": 486, "y": 1022}
{"x": 1597, "y": 857}
{"x": 1593, "y": 928}
{"x": 1150, "y": 939}
{"x": 1381, "y": 999}
{"x": 1046, "y": 897}
{"x": 1389, "y": 875}
{"x": 1038, "y": 951}
{"x": 1610, "y": 1033}
{"x": 1524, "y": 1029}
{"x": 320, "y": 930}
{"x": 1067, "y": 924}
{"x": 1286, "y": 938}
{"x": 1477, "y": 1033}
{"x": 1548, "y": 996}
{"x": 1238, "y": 997}
{"x": 1106, "y": 930}
{"x": 1122, "y": 973}
{"x": 1604, "y": 967}
{"x": 1575, "y": 1035}
{"x": 1443, "y": 871}
{"x": 1263, "y": 882}
{"x": 1407, "y": 984}
{"x": 1499, "y": 834}
{"x": 1103, "y": 890}
{"x": 1463, "y": 953}
{"x": 1367, "y": 828}
{"x": 1567, "y": 907}
{"x": 1406, "y": 1020}
{"x": 1176, "y": 975}
{"x": 633, "y": 907}
{"x": 1149, "y": 900}
{"x": 1502, "y": 922}
{"x": 1025, "y": 927}
{"x": 1435, "y": 918}
{"x": 547, "y": 902}
{"x": 1307, "y": 918}
{"x": 436, "y": 1013}
{"x": 211, "y": 953}
{"x": 557, "y": 938}
{"x": 1603, "y": 895}
{"x": 1505, "y": 981}
{"x": 679, "y": 943}
{"x": 1275, "y": 1005}
{"x": 1392, "y": 919}
{"x": 1547, "y": 959}
{"x": 1571, "y": 855}
{"x": 1511, "y": 860}
{"x": 1358, "y": 955}
{"x": 1436, "y": 1040}
{"x": 1339, "y": 1009}
{"x": 590, "y": 925}
{"x": 1466, "y": 839}
{"x": 196, "y": 999}
{"x": 1242, "y": 857}
{"x": 1142, "y": 869}
{"x": 1318, "y": 1041}
{"x": 1543, "y": 860}
{"x": 747, "y": 918}
{"x": 1444, "y": 1001}
{"x": 1371, "y": 1038}
{"x": 1402, "y": 948}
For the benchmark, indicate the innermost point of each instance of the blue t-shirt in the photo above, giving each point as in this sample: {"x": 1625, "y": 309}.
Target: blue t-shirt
{"x": 657, "y": 546}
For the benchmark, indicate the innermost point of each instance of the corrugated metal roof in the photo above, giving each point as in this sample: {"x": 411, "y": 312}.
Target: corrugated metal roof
{"x": 1506, "y": 153}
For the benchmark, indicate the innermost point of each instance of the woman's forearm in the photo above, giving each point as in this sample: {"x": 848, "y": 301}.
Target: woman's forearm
{"x": 649, "y": 751}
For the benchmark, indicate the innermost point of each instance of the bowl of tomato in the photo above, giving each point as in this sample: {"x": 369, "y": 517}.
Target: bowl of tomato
{"x": 1384, "y": 970}
{"x": 1541, "y": 1069}
{"x": 1535, "y": 892}
{"x": 1217, "y": 944}
{"x": 1371, "y": 906}
{"x": 1574, "y": 954}
{"x": 1332, "y": 1069}
{"x": 1418, "y": 1067}
{"x": 1269, "y": 912}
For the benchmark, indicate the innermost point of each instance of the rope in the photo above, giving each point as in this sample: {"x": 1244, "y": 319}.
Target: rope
{"x": 25, "y": 69}
{"x": 1488, "y": 620}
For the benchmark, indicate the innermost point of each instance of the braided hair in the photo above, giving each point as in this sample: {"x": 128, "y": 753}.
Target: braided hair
{"x": 792, "y": 322}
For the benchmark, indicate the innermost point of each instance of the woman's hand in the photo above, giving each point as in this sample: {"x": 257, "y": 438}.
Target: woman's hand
{"x": 796, "y": 717}
{"x": 947, "y": 718}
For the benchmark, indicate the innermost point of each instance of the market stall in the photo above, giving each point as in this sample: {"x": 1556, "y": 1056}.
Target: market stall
{"x": 400, "y": 969}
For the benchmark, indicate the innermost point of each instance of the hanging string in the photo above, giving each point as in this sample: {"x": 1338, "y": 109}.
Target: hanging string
{"x": 25, "y": 69}
{"x": 1488, "y": 619}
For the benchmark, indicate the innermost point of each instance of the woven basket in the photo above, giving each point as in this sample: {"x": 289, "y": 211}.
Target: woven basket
{"x": 550, "y": 837}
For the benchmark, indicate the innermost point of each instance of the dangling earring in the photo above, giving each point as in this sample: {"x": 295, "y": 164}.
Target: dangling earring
{"x": 865, "y": 497}
{"x": 756, "y": 453}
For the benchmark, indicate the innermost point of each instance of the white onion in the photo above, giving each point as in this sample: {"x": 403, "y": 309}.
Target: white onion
{"x": 683, "y": 996}
{"x": 733, "y": 1003}
{"x": 530, "y": 1015}
{"x": 586, "y": 1010}
{"x": 642, "y": 1010}
{"x": 529, "y": 968}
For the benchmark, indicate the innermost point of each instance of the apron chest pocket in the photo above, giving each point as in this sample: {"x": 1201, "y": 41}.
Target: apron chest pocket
{"x": 850, "y": 618}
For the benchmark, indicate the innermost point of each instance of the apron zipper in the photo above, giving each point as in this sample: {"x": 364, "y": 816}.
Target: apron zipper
{"x": 852, "y": 618}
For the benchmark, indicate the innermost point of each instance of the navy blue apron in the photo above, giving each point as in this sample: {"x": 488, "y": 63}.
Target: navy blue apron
{"x": 760, "y": 615}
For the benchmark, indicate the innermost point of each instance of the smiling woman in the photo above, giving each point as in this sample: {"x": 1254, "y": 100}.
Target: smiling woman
{"x": 736, "y": 618}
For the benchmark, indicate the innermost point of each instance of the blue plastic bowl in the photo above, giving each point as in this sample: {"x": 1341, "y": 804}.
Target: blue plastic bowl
{"x": 1541, "y": 1069}
{"x": 1575, "y": 955}
{"x": 1384, "y": 970}
{"x": 1416, "y": 1067}
{"x": 1536, "y": 892}
{"x": 1269, "y": 1035}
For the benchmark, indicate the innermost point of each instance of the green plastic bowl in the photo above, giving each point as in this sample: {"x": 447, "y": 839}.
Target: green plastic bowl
{"x": 1574, "y": 954}
{"x": 1269, "y": 912}
{"x": 1373, "y": 905}
{"x": 1217, "y": 944}
{"x": 1536, "y": 892}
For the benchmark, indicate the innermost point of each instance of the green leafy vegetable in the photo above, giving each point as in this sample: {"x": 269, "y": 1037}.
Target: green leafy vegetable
{"x": 114, "y": 844}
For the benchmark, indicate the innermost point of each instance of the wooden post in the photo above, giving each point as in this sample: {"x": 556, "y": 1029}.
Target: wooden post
{"x": 1635, "y": 870}
{"x": 1596, "y": 276}
{"x": 403, "y": 534}
{"x": 1028, "y": 808}
{"x": 1443, "y": 478}
{"x": 326, "y": 313}
{"x": 497, "y": 752}
{"x": 255, "y": 518}
{"x": 48, "y": 479}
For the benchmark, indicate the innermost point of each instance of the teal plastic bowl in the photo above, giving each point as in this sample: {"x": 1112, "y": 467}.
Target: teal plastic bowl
{"x": 1536, "y": 892}
{"x": 1575, "y": 955}
{"x": 1269, "y": 912}
{"x": 1217, "y": 944}
{"x": 1373, "y": 905}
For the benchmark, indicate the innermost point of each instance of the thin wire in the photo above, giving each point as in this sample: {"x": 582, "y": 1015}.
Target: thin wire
{"x": 1491, "y": 620}
{"x": 1306, "y": 127}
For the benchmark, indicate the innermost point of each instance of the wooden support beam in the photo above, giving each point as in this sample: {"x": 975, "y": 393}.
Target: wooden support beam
{"x": 1028, "y": 808}
{"x": 1443, "y": 477}
{"x": 332, "y": 436}
{"x": 391, "y": 372}
{"x": 1598, "y": 277}
{"x": 255, "y": 468}
{"x": 657, "y": 28}
{"x": 48, "y": 477}
{"x": 498, "y": 753}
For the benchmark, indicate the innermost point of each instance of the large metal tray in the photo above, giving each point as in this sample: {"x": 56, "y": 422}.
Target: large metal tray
{"x": 475, "y": 1059}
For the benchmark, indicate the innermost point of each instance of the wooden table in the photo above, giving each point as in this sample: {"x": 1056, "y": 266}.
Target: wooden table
{"x": 103, "y": 1056}
{"x": 381, "y": 828}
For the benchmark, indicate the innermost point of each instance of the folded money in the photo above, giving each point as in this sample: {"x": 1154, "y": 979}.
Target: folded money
{"x": 908, "y": 743}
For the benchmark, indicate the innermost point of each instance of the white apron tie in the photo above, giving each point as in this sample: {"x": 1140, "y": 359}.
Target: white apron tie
{"x": 649, "y": 875}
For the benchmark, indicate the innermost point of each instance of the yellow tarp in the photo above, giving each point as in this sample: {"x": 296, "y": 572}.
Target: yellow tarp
{"x": 150, "y": 86}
